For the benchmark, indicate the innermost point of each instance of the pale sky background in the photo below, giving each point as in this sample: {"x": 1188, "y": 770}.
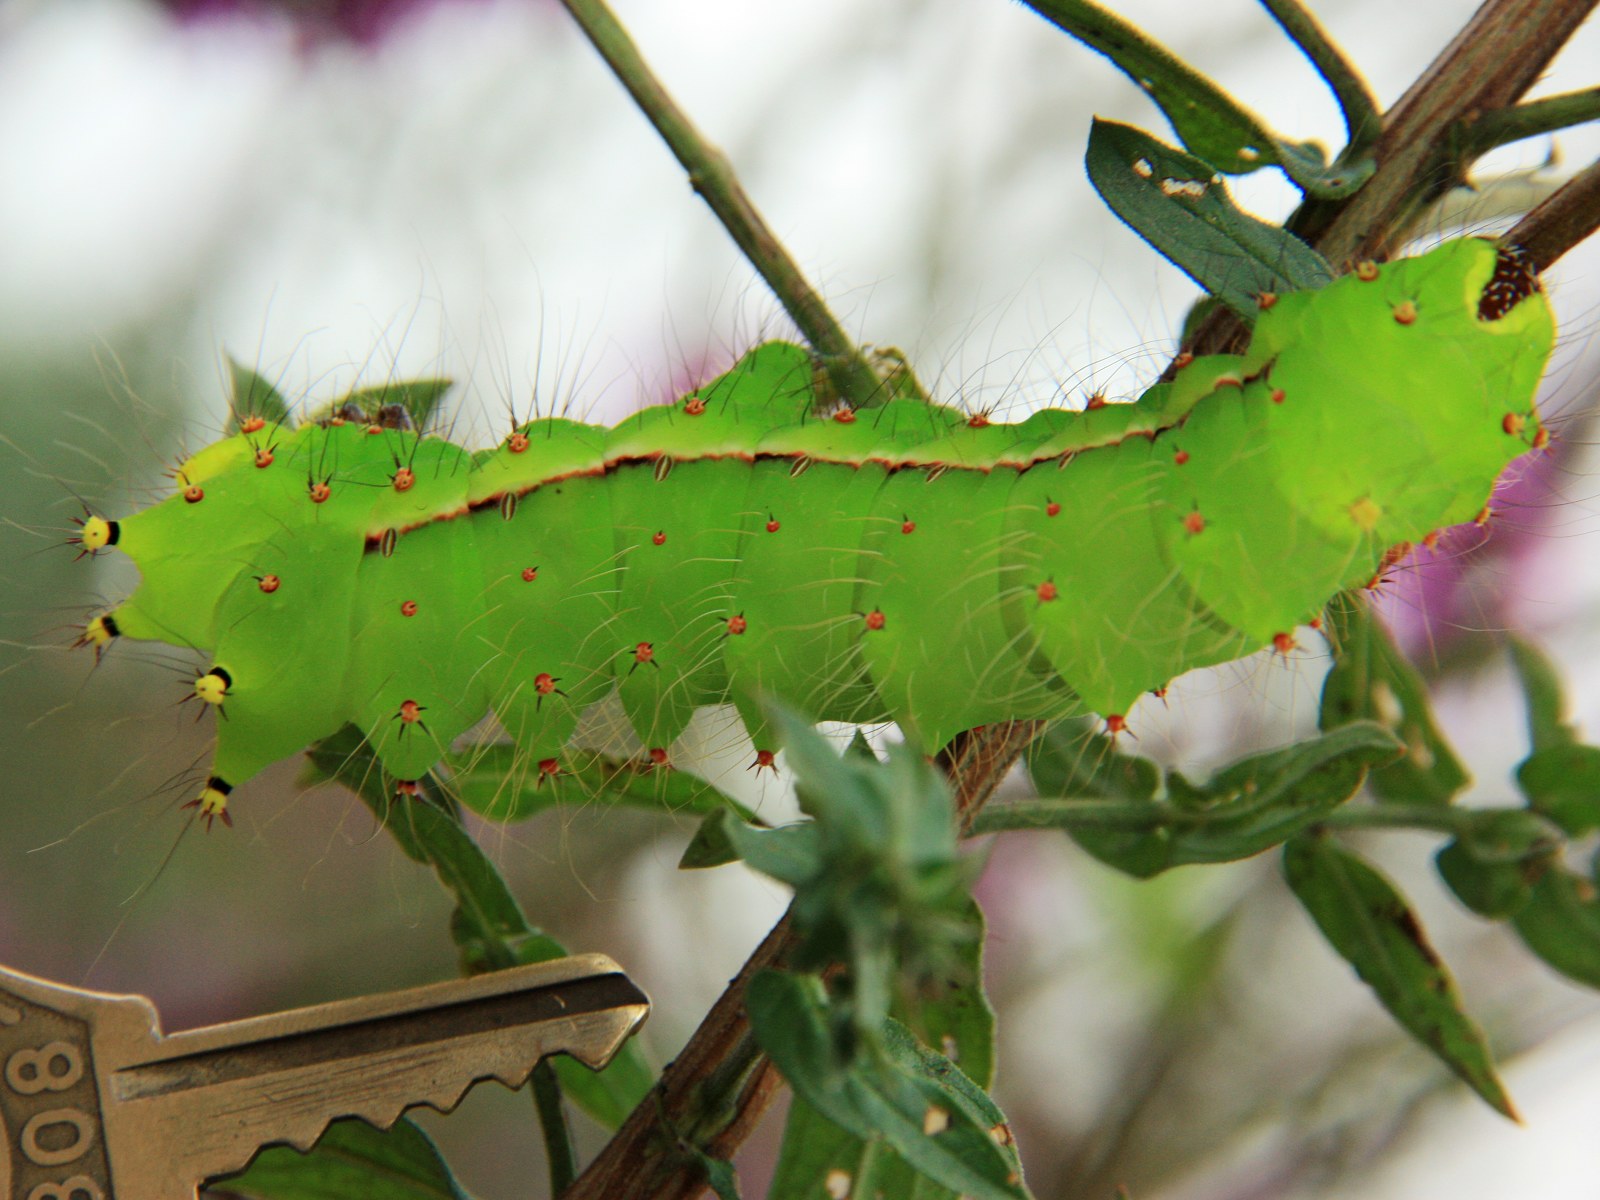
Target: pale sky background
{"x": 474, "y": 195}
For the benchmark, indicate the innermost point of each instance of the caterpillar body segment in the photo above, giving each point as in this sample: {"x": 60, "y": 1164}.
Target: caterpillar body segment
{"x": 910, "y": 562}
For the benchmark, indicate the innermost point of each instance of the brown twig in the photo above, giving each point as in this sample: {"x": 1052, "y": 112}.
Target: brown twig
{"x": 1421, "y": 154}
{"x": 1563, "y": 220}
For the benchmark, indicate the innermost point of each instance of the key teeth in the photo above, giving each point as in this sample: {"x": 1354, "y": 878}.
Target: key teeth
{"x": 445, "y": 1101}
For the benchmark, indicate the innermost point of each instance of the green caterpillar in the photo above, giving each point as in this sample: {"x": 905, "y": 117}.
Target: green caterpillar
{"x": 911, "y": 562}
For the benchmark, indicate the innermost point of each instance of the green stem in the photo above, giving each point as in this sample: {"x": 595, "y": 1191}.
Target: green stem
{"x": 1361, "y": 120}
{"x": 1506, "y": 125}
{"x": 712, "y": 176}
{"x": 558, "y": 1149}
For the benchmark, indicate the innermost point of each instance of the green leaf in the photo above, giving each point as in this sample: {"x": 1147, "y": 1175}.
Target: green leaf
{"x": 1563, "y": 783}
{"x": 1367, "y": 920}
{"x": 1372, "y": 681}
{"x": 352, "y": 1161}
{"x": 1249, "y": 806}
{"x": 500, "y": 783}
{"x": 1493, "y": 866}
{"x": 1209, "y": 122}
{"x": 710, "y": 846}
{"x": 1548, "y": 726}
{"x": 488, "y": 924}
{"x": 917, "y": 1101}
{"x": 253, "y": 396}
{"x": 951, "y": 1013}
{"x": 419, "y": 397}
{"x": 1561, "y": 778}
{"x": 1561, "y": 924}
{"x": 792, "y": 854}
{"x": 1064, "y": 761}
{"x": 1179, "y": 204}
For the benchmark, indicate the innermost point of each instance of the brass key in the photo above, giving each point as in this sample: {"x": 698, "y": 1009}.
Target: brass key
{"x": 97, "y": 1104}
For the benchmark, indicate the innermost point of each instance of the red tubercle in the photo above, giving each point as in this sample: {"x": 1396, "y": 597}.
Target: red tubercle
{"x": 772, "y": 525}
{"x": 529, "y": 574}
{"x": 1265, "y": 300}
{"x": 694, "y": 406}
{"x": 335, "y": 422}
{"x": 1180, "y": 457}
{"x": 1094, "y": 401}
{"x": 766, "y": 760}
{"x": 404, "y": 479}
{"x": 1431, "y": 540}
{"x": 1283, "y": 643}
{"x": 407, "y": 789}
{"x": 845, "y": 416}
{"x": 264, "y": 456}
{"x": 548, "y": 767}
{"x": 1182, "y": 361}
{"x": 659, "y": 538}
{"x": 410, "y": 711}
{"x": 1193, "y": 522}
{"x": 1315, "y": 623}
{"x": 252, "y": 424}
{"x": 659, "y": 757}
{"x": 193, "y": 494}
{"x": 319, "y": 492}
{"x": 1405, "y": 313}
{"x": 737, "y": 624}
{"x": 644, "y": 652}
{"x": 907, "y": 525}
{"x": 408, "y": 608}
{"x": 1277, "y": 396}
{"x": 875, "y": 619}
{"x": 1116, "y": 723}
{"x": 544, "y": 683}
{"x": 517, "y": 443}
{"x": 268, "y": 583}
{"x": 1052, "y": 508}
{"x": 374, "y": 430}
{"x": 1047, "y": 591}
{"x": 1541, "y": 439}
{"x": 1512, "y": 424}
{"x": 978, "y": 420}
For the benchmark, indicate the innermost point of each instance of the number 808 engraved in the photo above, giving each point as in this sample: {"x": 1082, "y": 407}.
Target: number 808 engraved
{"x": 51, "y": 1146}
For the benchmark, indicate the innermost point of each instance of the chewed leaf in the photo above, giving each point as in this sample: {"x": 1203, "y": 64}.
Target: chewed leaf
{"x": 1373, "y": 928}
{"x": 351, "y": 1159}
{"x": 1179, "y": 204}
{"x": 1211, "y": 123}
{"x": 419, "y": 397}
{"x": 253, "y": 396}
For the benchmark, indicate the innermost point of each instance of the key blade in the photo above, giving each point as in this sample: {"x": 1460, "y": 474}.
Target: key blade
{"x": 201, "y": 1103}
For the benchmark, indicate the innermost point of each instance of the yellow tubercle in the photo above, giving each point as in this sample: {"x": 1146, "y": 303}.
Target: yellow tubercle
{"x": 212, "y": 687}
{"x": 97, "y": 533}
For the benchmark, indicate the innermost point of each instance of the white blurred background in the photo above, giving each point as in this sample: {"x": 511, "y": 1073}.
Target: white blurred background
{"x": 461, "y": 188}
